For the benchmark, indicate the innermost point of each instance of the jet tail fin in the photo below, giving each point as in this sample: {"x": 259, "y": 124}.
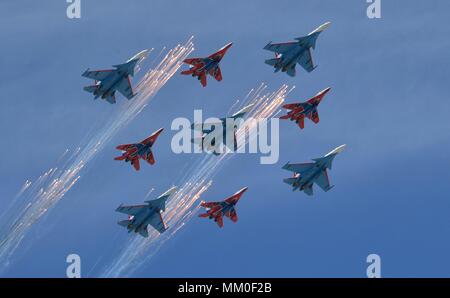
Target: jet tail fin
{"x": 124, "y": 223}
{"x": 144, "y": 232}
{"x": 291, "y": 71}
{"x": 91, "y": 89}
{"x": 308, "y": 190}
{"x": 272, "y": 62}
{"x": 290, "y": 181}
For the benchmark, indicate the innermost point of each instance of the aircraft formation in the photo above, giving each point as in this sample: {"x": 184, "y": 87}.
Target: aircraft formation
{"x": 305, "y": 175}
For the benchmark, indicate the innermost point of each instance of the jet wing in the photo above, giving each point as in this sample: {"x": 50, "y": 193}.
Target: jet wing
{"x": 124, "y": 147}
{"x": 323, "y": 181}
{"x": 130, "y": 210}
{"x": 194, "y": 61}
{"x": 298, "y": 167}
{"x": 280, "y": 48}
{"x": 305, "y": 61}
{"x": 308, "y": 190}
{"x": 97, "y": 75}
{"x": 210, "y": 204}
{"x": 157, "y": 222}
{"x": 293, "y": 106}
{"x": 150, "y": 140}
{"x": 124, "y": 87}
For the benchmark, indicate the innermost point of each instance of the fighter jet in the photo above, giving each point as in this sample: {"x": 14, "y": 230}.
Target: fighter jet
{"x": 132, "y": 152}
{"x": 209, "y": 65}
{"x": 287, "y": 54}
{"x": 306, "y": 174}
{"x": 308, "y": 109}
{"x": 219, "y": 139}
{"x": 216, "y": 210}
{"x": 140, "y": 216}
{"x": 108, "y": 81}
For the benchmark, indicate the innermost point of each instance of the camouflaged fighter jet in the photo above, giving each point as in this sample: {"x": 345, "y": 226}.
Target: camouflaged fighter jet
{"x": 140, "y": 216}
{"x": 212, "y": 143}
{"x": 288, "y": 54}
{"x": 299, "y": 111}
{"x": 200, "y": 67}
{"x": 108, "y": 81}
{"x": 306, "y": 174}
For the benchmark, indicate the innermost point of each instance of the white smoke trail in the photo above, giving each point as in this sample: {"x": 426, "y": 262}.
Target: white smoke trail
{"x": 182, "y": 206}
{"x": 54, "y": 184}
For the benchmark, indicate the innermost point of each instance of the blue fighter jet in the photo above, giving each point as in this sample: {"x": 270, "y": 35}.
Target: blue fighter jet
{"x": 140, "y": 216}
{"x": 288, "y": 54}
{"x": 218, "y": 139}
{"x": 306, "y": 174}
{"x": 108, "y": 81}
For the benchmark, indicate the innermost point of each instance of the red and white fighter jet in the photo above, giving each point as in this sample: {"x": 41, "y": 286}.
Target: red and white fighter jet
{"x": 200, "y": 67}
{"x": 299, "y": 111}
{"x": 216, "y": 210}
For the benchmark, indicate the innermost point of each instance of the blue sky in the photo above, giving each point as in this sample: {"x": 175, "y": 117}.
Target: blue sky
{"x": 389, "y": 104}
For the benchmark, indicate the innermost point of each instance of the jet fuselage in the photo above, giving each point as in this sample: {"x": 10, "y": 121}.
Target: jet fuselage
{"x": 141, "y": 150}
{"x": 307, "y": 178}
{"x": 139, "y": 220}
{"x": 108, "y": 86}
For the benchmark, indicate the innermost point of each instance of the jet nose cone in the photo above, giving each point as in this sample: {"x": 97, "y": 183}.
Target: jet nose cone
{"x": 321, "y": 28}
{"x": 340, "y": 148}
{"x": 326, "y": 90}
{"x": 243, "y": 190}
{"x": 159, "y": 131}
{"x": 140, "y": 56}
{"x": 324, "y": 26}
{"x": 226, "y": 47}
{"x": 322, "y": 93}
{"x": 156, "y": 133}
{"x": 337, "y": 150}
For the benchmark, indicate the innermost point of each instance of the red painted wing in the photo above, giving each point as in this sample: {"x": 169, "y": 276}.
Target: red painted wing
{"x": 209, "y": 204}
{"x": 233, "y": 199}
{"x": 124, "y": 147}
{"x": 292, "y": 106}
{"x": 193, "y": 61}
{"x": 149, "y": 140}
